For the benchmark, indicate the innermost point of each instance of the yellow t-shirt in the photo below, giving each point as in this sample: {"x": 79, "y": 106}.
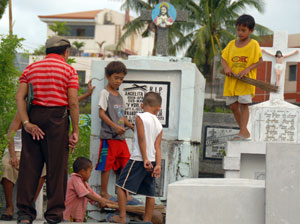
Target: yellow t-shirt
{"x": 238, "y": 59}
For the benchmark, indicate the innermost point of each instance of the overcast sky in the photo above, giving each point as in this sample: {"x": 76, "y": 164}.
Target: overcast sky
{"x": 279, "y": 15}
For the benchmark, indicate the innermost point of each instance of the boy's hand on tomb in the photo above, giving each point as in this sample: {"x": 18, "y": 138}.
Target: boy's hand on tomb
{"x": 148, "y": 165}
{"x": 156, "y": 172}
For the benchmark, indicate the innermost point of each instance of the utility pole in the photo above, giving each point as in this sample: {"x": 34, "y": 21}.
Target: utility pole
{"x": 10, "y": 18}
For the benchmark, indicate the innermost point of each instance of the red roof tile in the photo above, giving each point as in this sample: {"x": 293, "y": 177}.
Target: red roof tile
{"x": 74, "y": 15}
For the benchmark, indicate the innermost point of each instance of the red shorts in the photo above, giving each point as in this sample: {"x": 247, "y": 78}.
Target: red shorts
{"x": 113, "y": 154}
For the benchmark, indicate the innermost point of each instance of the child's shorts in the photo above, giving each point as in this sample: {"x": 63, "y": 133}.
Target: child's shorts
{"x": 243, "y": 99}
{"x": 113, "y": 154}
{"x": 10, "y": 172}
{"x": 136, "y": 179}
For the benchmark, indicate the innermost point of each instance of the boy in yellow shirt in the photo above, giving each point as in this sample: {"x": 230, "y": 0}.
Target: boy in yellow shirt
{"x": 240, "y": 58}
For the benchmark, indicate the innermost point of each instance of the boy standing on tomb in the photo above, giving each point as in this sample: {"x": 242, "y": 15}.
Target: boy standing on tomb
{"x": 241, "y": 57}
{"x": 113, "y": 151}
{"x": 138, "y": 176}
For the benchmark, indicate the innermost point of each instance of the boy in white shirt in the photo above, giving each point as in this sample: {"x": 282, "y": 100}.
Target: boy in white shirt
{"x": 138, "y": 176}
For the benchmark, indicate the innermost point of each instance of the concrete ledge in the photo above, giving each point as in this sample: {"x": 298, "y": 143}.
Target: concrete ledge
{"x": 232, "y": 174}
{"x": 235, "y": 148}
{"x": 231, "y": 163}
{"x": 211, "y": 201}
{"x": 244, "y": 159}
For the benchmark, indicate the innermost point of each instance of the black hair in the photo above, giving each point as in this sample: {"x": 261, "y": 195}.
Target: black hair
{"x": 277, "y": 53}
{"x": 57, "y": 50}
{"x": 81, "y": 163}
{"x": 115, "y": 67}
{"x": 152, "y": 99}
{"x": 246, "y": 20}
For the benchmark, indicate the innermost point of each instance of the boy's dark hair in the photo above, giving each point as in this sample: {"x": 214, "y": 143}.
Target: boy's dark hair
{"x": 57, "y": 50}
{"x": 246, "y": 20}
{"x": 81, "y": 163}
{"x": 277, "y": 53}
{"x": 152, "y": 99}
{"x": 115, "y": 67}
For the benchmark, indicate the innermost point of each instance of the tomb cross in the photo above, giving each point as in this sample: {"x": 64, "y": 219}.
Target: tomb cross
{"x": 259, "y": 125}
{"x": 280, "y": 42}
{"x": 162, "y": 33}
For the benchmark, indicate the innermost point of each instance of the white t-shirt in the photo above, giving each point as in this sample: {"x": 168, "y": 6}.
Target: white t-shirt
{"x": 17, "y": 141}
{"x": 152, "y": 128}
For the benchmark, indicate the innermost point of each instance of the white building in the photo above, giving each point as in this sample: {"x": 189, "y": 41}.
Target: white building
{"x": 100, "y": 30}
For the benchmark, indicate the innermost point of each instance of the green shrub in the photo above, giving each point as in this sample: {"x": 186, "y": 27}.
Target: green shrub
{"x": 9, "y": 82}
{"x": 83, "y": 146}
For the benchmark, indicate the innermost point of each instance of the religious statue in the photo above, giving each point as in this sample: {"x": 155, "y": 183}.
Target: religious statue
{"x": 162, "y": 17}
{"x": 279, "y": 65}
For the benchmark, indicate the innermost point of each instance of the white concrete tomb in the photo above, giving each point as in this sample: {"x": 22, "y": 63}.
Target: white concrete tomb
{"x": 181, "y": 86}
{"x": 216, "y": 201}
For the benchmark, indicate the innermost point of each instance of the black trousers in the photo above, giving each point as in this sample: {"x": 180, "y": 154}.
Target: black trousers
{"x": 53, "y": 150}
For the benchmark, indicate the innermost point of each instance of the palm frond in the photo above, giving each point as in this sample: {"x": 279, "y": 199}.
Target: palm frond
{"x": 135, "y": 26}
{"x": 136, "y": 5}
{"x": 239, "y": 5}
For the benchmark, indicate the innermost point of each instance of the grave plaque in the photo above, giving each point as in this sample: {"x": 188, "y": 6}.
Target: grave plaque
{"x": 133, "y": 93}
{"x": 215, "y": 140}
{"x": 277, "y": 125}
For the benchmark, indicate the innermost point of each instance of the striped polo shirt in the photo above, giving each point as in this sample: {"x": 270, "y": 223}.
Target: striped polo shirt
{"x": 51, "y": 79}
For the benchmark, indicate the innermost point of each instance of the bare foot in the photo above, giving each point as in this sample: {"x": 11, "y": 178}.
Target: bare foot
{"x": 244, "y": 134}
{"x": 112, "y": 199}
{"x": 117, "y": 219}
{"x": 9, "y": 211}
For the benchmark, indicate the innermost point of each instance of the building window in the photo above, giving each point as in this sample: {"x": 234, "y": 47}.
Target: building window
{"x": 108, "y": 18}
{"x": 81, "y": 76}
{"x": 81, "y": 31}
{"x": 293, "y": 73}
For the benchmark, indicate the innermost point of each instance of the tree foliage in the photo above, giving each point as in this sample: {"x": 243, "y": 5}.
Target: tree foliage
{"x": 83, "y": 146}
{"x": 3, "y": 4}
{"x": 8, "y": 85}
{"x": 137, "y": 26}
{"x": 40, "y": 51}
{"x": 78, "y": 45}
{"x": 60, "y": 28}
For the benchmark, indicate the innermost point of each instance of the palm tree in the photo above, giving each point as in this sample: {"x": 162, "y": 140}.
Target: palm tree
{"x": 3, "y": 4}
{"x": 60, "y": 28}
{"x": 210, "y": 27}
{"x": 78, "y": 45}
{"x": 137, "y": 26}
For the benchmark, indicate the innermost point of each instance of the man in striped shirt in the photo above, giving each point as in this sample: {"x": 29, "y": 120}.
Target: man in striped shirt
{"x": 45, "y": 129}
